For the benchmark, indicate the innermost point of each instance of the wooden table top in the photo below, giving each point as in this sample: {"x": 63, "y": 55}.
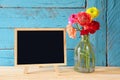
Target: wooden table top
{"x": 65, "y": 73}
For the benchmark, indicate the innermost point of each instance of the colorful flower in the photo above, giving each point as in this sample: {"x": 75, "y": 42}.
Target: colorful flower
{"x": 84, "y": 32}
{"x": 83, "y": 18}
{"x": 84, "y": 22}
{"x": 71, "y": 31}
{"x": 93, "y": 11}
{"x": 92, "y": 31}
{"x": 94, "y": 25}
{"x": 72, "y": 19}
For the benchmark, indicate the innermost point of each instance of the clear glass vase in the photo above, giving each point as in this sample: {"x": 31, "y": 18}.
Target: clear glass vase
{"x": 84, "y": 56}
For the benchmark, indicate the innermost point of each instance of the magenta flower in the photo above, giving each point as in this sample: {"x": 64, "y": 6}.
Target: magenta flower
{"x": 73, "y": 19}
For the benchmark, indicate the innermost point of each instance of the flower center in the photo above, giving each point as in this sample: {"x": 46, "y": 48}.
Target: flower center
{"x": 92, "y": 11}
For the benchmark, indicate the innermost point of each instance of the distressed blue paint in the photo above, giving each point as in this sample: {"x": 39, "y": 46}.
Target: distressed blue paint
{"x": 99, "y": 38}
{"x": 42, "y": 3}
{"x": 6, "y": 62}
{"x": 6, "y": 38}
{"x": 7, "y": 57}
{"x": 48, "y": 13}
{"x": 35, "y": 14}
{"x": 71, "y": 43}
{"x": 7, "y": 54}
{"x": 113, "y": 34}
{"x": 70, "y": 57}
{"x": 29, "y": 17}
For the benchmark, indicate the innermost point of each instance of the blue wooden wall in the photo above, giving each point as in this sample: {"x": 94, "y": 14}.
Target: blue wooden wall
{"x": 34, "y": 14}
{"x": 113, "y": 32}
{"x": 55, "y": 13}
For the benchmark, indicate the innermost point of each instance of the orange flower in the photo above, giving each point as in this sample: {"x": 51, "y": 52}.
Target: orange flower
{"x": 71, "y": 31}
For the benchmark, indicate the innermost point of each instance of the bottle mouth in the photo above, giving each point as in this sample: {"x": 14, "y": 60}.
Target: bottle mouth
{"x": 85, "y": 37}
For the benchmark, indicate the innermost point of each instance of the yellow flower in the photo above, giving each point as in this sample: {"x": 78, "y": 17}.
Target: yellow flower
{"x": 93, "y": 11}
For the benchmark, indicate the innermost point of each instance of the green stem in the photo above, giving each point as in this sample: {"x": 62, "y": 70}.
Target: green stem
{"x": 78, "y": 27}
{"x": 93, "y": 56}
{"x": 87, "y": 57}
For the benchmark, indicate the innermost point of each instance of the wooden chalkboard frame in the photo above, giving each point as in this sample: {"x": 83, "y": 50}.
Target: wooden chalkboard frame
{"x": 40, "y": 29}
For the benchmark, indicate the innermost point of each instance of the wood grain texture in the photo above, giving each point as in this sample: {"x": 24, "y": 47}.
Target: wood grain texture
{"x": 99, "y": 39}
{"x": 33, "y": 14}
{"x": 113, "y": 32}
{"x": 70, "y": 57}
{"x": 6, "y": 57}
{"x": 30, "y": 17}
{"x": 6, "y": 62}
{"x": 7, "y": 54}
{"x": 66, "y": 73}
{"x": 42, "y": 3}
{"x": 6, "y": 39}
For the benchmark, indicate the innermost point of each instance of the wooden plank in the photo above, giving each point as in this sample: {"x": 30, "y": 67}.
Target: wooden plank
{"x": 42, "y": 3}
{"x": 7, "y": 54}
{"x": 101, "y": 73}
{"x": 72, "y": 43}
{"x": 70, "y": 57}
{"x": 99, "y": 38}
{"x": 6, "y": 62}
{"x": 12, "y": 18}
{"x": 113, "y": 34}
{"x": 40, "y": 17}
{"x": 6, "y": 39}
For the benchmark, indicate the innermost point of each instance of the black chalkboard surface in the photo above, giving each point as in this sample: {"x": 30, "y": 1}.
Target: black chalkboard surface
{"x": 40, "y": 46}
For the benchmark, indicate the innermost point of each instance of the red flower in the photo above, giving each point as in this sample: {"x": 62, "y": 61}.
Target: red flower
{"x": 92, "y": 31}
{"x": 73, "y": 19}
{"x": 84, "y": 32}
{"x": 94, "y": 25}
{"x": 83, "y": 18}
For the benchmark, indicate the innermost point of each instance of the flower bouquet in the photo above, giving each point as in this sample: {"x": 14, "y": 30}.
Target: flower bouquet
{"x": 84, "y": 23}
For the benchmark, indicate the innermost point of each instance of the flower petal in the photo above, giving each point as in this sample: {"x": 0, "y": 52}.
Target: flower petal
{"x": 84, "y": 32}
{"x": 94, "y": 25}
{"x": 71, "y": 31}
{"x": 72, "y": 19}
{"x": 93, "y": 11}
{"x": 83, "y": 18}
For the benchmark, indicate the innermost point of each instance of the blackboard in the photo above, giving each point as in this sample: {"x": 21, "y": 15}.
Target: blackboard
{"x": 40, "y": 46}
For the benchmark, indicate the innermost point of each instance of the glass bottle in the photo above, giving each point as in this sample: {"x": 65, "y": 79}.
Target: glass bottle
{"x": 84, "y": 56}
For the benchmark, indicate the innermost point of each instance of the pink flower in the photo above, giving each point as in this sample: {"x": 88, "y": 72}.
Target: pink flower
{"x": 72, "y": 19}
{"x": 83, "y": 18}
{"x": 71, "y": 31}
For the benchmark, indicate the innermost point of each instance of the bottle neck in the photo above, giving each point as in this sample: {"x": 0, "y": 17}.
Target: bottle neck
{"x": 85, "y": 38}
